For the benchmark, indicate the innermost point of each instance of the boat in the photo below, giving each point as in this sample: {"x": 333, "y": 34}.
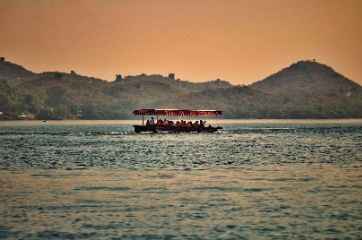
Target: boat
{"x": 161, "y": 126}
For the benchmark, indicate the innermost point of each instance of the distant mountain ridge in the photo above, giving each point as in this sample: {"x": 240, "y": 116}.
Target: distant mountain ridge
{"x": 305, "y": 89}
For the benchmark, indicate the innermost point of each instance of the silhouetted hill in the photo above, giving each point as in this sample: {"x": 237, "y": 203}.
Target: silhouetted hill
{"x": 308, "y": 77}
{"x": 304, "y": 90}
{"x": 13, "y": 73}
{"x": 179, "y": 85}
{"x": 155, "y": 91}
{"x": 308, "y": 89}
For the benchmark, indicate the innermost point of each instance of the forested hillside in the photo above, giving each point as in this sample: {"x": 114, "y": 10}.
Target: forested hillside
{"x": 306, "y": 89}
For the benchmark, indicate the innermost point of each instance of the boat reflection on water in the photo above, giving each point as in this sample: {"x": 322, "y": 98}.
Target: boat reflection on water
{"x": 167, "y": 126}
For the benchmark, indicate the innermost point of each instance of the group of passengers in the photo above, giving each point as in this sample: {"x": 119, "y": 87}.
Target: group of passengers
{"x": 171, "y": 123}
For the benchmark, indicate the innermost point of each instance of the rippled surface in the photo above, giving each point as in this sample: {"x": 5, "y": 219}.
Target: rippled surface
{"x": 252, "y": 180}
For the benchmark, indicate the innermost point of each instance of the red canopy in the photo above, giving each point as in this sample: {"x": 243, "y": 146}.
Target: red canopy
{"x": 176, "y": 112}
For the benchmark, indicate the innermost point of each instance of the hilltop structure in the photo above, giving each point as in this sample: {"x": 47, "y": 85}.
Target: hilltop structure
{"x": 118, "y": 78}
{"x": 171, "y": 76}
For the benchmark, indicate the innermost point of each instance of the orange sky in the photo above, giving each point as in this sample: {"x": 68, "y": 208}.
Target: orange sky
{"x": 241, "y": 41}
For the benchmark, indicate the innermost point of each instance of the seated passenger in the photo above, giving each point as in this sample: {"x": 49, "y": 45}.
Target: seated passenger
{"x": 151, "y": 122}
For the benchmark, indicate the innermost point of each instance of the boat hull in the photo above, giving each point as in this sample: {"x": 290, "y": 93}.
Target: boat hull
{"x": 170, "y": 129}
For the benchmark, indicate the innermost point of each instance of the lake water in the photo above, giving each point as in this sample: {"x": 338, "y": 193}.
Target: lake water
{"x": 255, "y": 179}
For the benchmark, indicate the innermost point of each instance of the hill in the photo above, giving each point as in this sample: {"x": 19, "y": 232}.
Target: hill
{"x": 307, "y": 77}
{"x": 14, "y": 73}
{"x": 305, "y": 89}
{"x": 308, "y": 89}
{"x": 56, "y": 95}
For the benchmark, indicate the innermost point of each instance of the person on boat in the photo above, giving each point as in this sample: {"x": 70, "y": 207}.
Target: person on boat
{"x": 151, "y": 122}
{"x": 172, "y": 124}
{"x": 202, "y": 123}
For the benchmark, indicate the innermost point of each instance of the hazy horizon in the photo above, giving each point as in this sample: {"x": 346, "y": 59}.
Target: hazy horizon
{"x": 238, "y": 41}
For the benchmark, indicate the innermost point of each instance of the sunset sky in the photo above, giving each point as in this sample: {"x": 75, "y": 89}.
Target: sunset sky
{"x": 241, "y": 41}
